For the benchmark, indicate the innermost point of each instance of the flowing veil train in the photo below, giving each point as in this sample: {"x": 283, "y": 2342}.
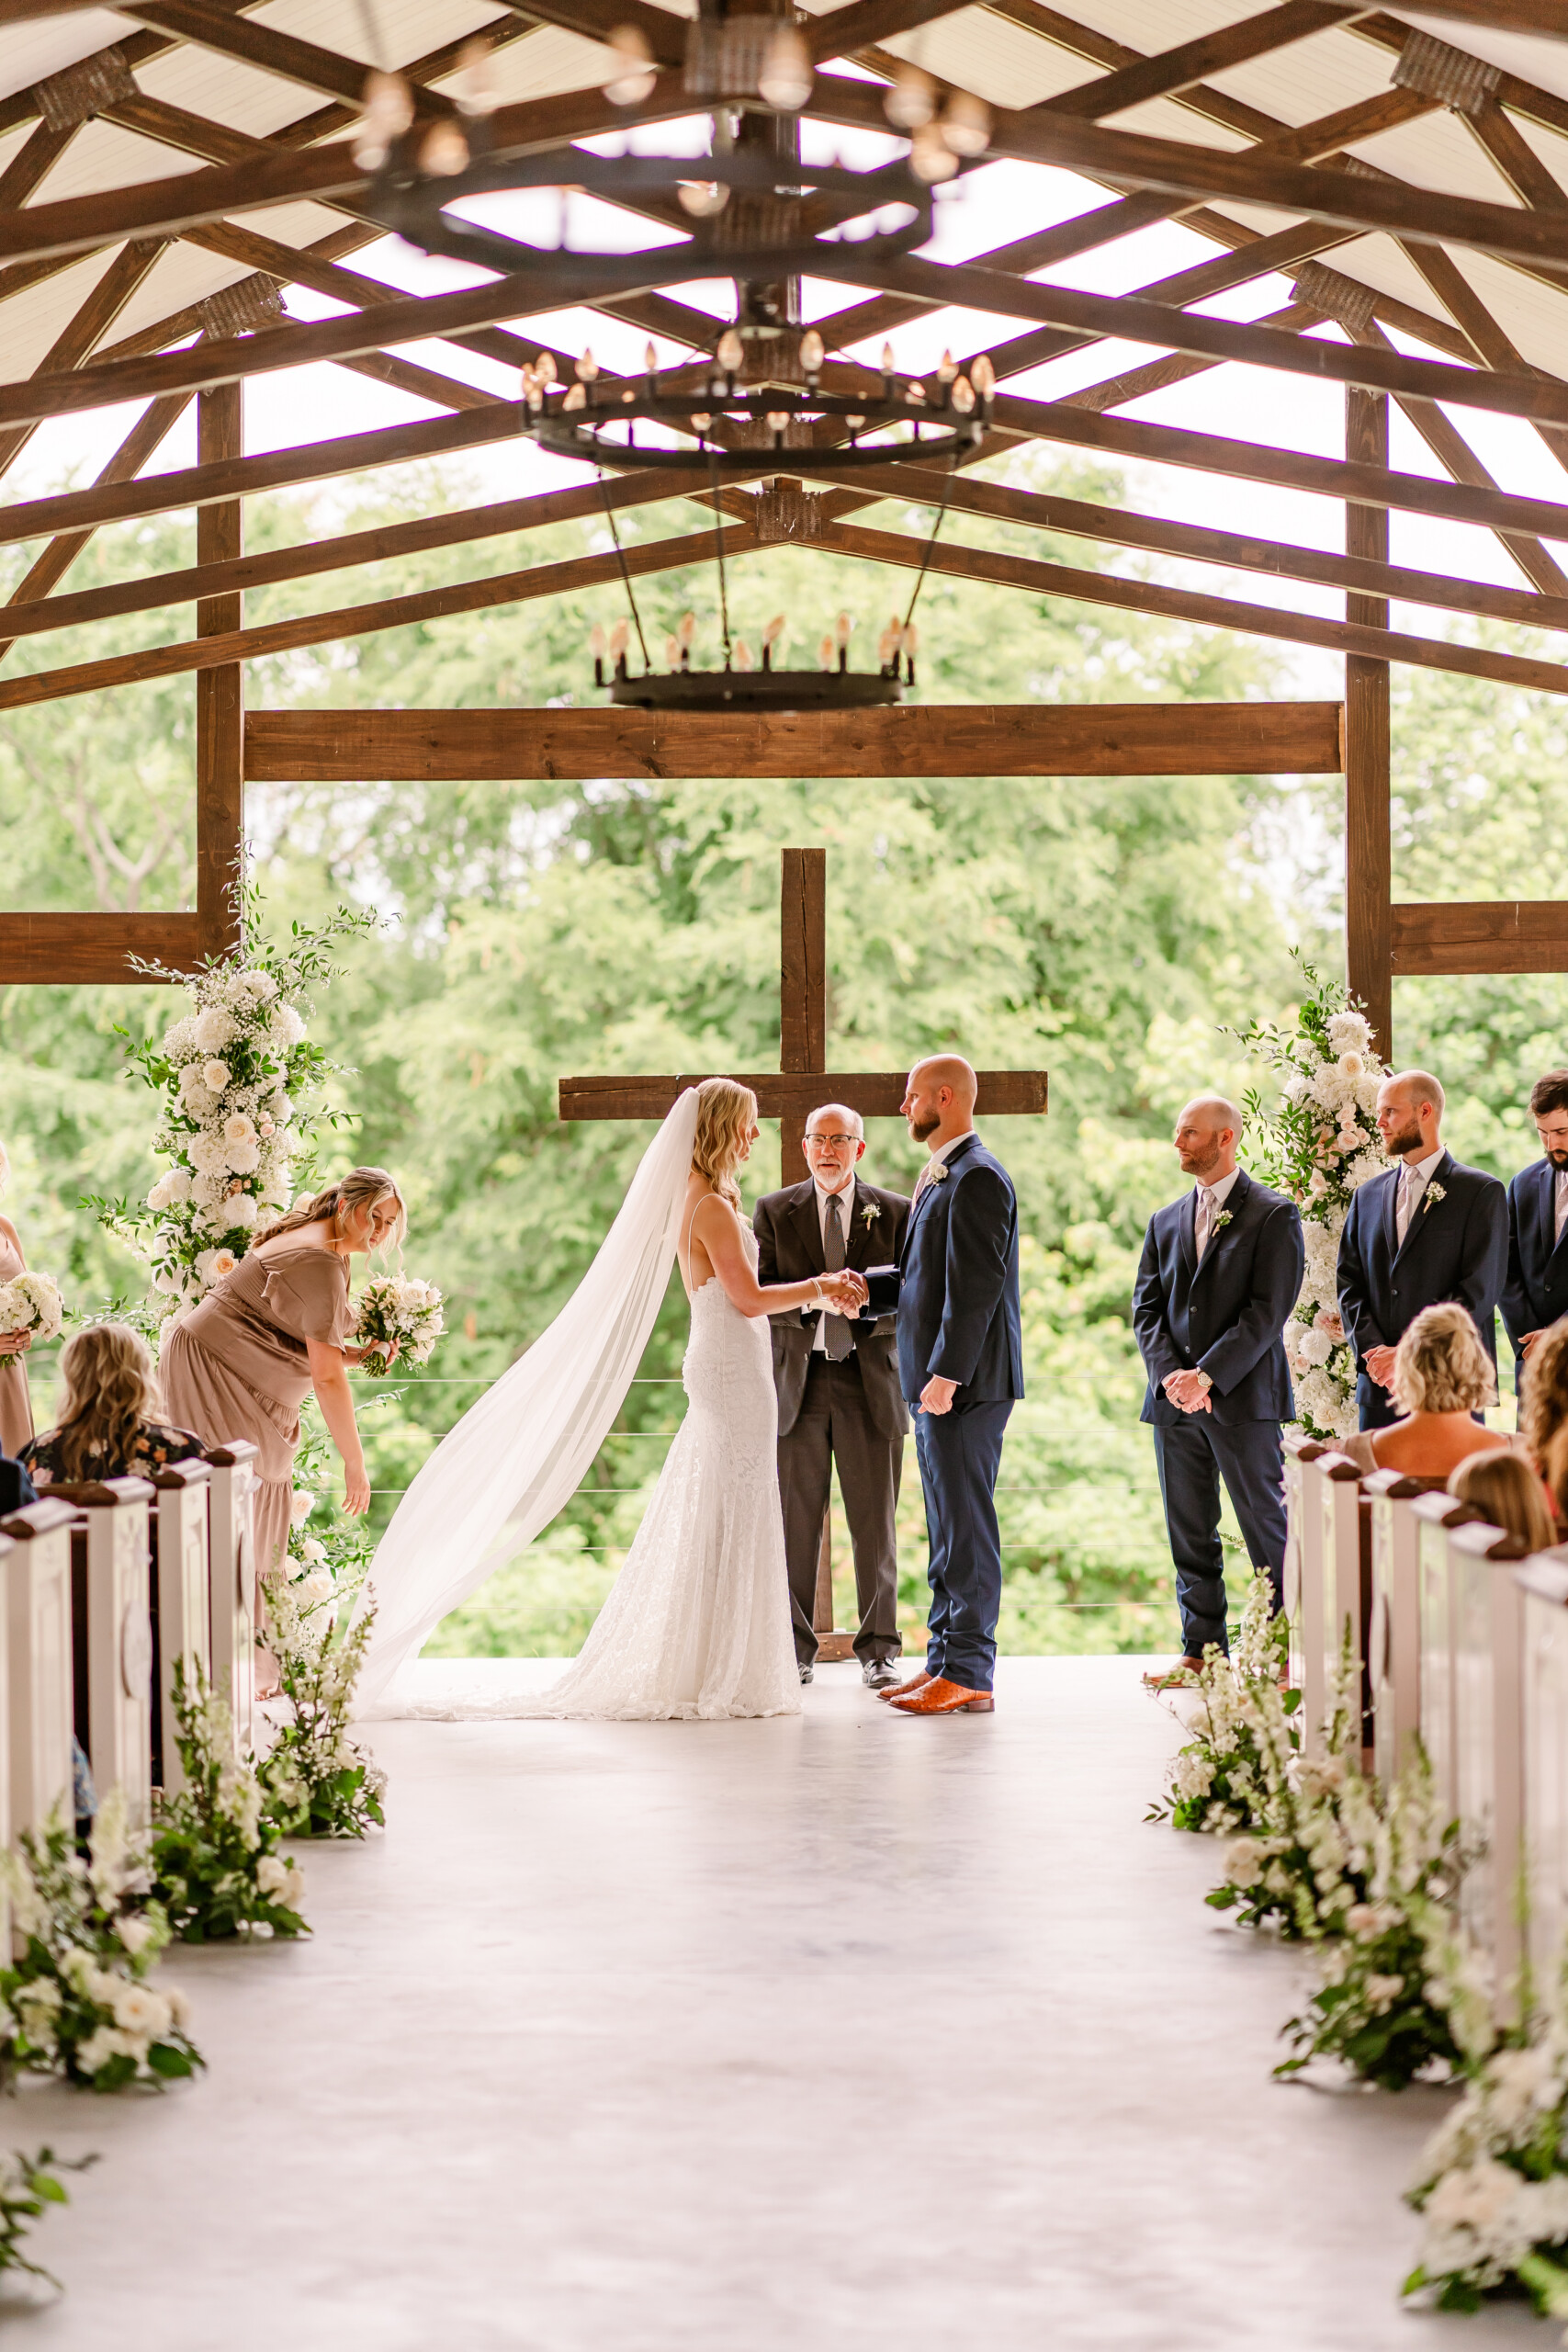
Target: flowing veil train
{"x": 515, "y": 1458}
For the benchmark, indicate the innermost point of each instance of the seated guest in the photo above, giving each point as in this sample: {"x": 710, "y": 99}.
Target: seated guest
{"x": 1442, "y": 1376}
{"x": 112, "y": 1424}
{"x": 1543, "y": 1398}
{"x": 1501, "y": 1485}
{"x": 15, "y": 1487}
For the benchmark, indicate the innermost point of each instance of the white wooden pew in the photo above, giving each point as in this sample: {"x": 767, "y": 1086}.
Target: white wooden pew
{"x": 38, "y": 1675}
{"x": 234, "y": 1583}
{"x": 1393, "y": 1636}
{"x": 1487, "y": 1608}
{"x": 1303, "y": 1554}
{"x": 1544, "y": 1581}
{"x": 1434, "y": 1514}
{"x": 183, "y": 1618}
{"x": 109, "y": 1579}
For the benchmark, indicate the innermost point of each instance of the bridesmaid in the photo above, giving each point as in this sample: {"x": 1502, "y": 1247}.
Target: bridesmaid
{"x": 241, "y": 1363}
{"x": 16, "y": 1411}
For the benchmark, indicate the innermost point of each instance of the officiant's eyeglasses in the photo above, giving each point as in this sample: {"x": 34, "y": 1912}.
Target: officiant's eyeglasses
{"x": 843, "y": 1142}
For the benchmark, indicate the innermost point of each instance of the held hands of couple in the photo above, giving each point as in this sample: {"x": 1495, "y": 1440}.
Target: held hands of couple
{"x": 843, "y": 1292}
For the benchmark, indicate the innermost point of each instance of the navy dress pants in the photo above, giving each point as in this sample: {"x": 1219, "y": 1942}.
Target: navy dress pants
{"x": 959, "y": 1452}
{"x": 1193, "y": 1455}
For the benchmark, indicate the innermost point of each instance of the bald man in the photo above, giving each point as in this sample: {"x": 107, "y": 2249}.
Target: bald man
{"x": 961, "y": 1363}
{"x": 1222, "y": 1269}
{"x": 1430, "y": 1230}
{"x": 838, "y": 1386}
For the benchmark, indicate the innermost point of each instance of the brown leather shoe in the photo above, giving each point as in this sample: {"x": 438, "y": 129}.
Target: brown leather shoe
{"x": 1169, "y": 1676}
{"x": 905, "y": 1689}
{"x": 940, "y": 1697}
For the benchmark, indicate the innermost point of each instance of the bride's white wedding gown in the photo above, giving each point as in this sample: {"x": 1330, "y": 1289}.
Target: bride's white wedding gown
{"x": 697, "y": 1624}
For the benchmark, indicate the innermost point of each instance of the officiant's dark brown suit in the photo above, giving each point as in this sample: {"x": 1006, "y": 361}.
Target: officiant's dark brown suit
{"x": 850, "y": 1412}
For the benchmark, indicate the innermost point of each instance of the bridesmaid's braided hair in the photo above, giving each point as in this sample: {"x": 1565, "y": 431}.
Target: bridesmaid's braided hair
{"x": 725, "y": 1114}
{"x": 361, "y": 1188}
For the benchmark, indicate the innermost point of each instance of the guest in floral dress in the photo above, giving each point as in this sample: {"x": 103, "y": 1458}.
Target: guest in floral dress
{"x": 111, "y": 1423}
{"x": 15, "y": 1412}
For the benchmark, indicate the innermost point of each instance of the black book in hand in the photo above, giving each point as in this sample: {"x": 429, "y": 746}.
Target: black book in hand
{"x": 883, "y": 1283}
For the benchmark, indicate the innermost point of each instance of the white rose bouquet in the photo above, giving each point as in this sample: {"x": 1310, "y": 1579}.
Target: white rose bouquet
{"x": 394, "y": 1309}
{"x": 31, "y": 1301}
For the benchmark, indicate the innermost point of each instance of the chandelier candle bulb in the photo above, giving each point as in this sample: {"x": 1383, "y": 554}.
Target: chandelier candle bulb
{"x": 965, "y": 125}
{"x": 778, "y": 419}
{"x": 983, "y": 375}
{"x": 911, "y": 99}
{"x": 962, "y": 395}
{"x": 587, "y": 369}
{"x": 946, "y": 369}
{"x": 731, "y": 352}
{"x": 576, "y": 397}
{"x": 632, "y": 74}
{"x": 474, "y": 84}
{"x": 389, "y": 111}
{"x": 444, "y": 151}
{"x": 596, "y": 646}
{"x": 545, "y": 368}
{"x": 785, "y": 78}
{"x": 931, "y": 157}
{"x": 813, "y": 351}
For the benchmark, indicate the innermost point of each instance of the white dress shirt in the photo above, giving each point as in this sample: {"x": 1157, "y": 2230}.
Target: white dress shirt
{"x": 846, "y": 1217}
{"x": 941, "y": 1153}
{"x": 1412, "y": 1182}
{"x": 1211, "y": 1199}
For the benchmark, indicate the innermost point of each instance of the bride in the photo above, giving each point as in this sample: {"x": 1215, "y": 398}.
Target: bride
{"x": 698, "y": 1620}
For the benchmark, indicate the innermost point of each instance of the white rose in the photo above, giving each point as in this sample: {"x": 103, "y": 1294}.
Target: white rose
{"x": 167, "y": 1190}
{"x": 213, "y": 1264}
{"x": 139, "y": 2010}
{"x": 301, "y": 1507}
{"x": 215, "y": 1075}
{"x": 238, "y": 1128}
{"x": 214, "y": 1029}
{"x": 315, "y": 1588}
{"x": 1352, "y": 1066}
{"x": 272, "y": 1874}
{"x": 312, "y": 1549}
{"x": 134, "y": 1932}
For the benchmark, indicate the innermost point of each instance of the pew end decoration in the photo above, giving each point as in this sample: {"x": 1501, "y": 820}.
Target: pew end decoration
{"x": 217, "y": 1870}
{"x": 1318, "y": 1145}
{"x": 29, "y": 2186}
{"x": 395, "y": 1310}
{"x": 31, "y": 1302}
{"x": 1493, "y": 2187}
{"x": 74, "y": 2001}
{"x": 319, "y": 1782}
{"x": 241, "y": 1105}
{"x": 1218, "y": 1780}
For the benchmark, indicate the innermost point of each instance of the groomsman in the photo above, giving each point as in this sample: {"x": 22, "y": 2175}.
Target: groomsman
{"x": 1222, "y": 1269}
{"x": 838, "y": 1385}
{"x": 1536, "y": 1292}
{"x": 1431, "y": 1229}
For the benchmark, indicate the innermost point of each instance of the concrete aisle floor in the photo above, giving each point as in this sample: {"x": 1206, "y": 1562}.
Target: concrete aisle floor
{"x": 843, "y": 2030}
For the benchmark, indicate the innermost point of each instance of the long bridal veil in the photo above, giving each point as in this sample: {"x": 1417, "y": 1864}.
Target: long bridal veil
{"x": 518, "y": 1455}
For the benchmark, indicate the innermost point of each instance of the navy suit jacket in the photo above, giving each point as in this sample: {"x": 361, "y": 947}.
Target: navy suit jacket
{"x": 1455, "y": 1249}
{"x": 958, "y": 1310}
{"x": 16, "y": 1488}
{"x": 1536, "y": 1292}
{"x": 1223, "y": 1314}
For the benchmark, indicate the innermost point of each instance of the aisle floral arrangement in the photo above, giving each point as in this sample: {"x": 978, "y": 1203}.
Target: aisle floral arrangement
{"x": 241, "y": 1113}
{"x": 31, "y": 1301}
{"x": 1218, "y": 1782}
{"x": 28, "y": 2185}
{"x": 1492, "y": 2187}
{"x": 1319, "y": 1144}
{"x": 75, "y": 2001}
{"x": 319, "y": 1782}
{"x": 216, "y": 1868}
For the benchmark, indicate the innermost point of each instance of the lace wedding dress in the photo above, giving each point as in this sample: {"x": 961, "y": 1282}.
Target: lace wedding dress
{"x": 697, "y": 1624}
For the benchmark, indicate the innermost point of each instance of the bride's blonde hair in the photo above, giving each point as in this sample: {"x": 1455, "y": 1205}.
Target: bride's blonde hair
{"x": 727, "y": 1112}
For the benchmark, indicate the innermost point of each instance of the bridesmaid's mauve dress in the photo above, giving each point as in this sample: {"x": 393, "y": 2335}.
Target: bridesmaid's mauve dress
{"x": 16, "y": 1411}
{"x": 236, "y": 1366}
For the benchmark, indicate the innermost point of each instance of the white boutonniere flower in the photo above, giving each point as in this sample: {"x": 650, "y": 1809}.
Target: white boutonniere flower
{"x": 869, "y": 1214}
{"x": 1224, "y": 1218}
{"x": 1434, "y": 1192}
{"x": 939, "y": 1173}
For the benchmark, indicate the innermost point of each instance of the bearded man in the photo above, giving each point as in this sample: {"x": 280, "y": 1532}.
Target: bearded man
{"x": 1536, "y": 1292}
{"x": 1431, "y": 1229}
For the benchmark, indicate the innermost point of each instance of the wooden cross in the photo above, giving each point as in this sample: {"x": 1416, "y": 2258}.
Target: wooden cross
{"x": 801, "y": 1083}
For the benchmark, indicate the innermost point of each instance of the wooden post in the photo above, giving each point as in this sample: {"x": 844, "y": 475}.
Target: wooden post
{"x": 234, "y": 1581}
{"x": 803, "y": 985}
{"x": 183, "y": 1605}
{"x": 38, "y": 1632}
{"x": 220, "y": 694}
{"x": 1369, "y": 865}
{"x": 114, "y": 1645}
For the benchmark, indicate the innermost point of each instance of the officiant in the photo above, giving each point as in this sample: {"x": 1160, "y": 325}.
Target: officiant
{"x": 838, "y": 1385}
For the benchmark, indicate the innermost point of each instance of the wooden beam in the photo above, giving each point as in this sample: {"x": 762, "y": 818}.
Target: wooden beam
{"x": 1185, "y": 603}
{"x": 842, "y": 31}
{"x": 33, "y": 160}
{"x": 279, "y": 53}
{"x": 781, "y": 1094}
{"x": 62, "y": 950}
{"x": 1029, "y": 739}
{"x": 1161, "y": 75}
{"x": 85, "y": 331}
{"x": 362, "y": 620}
{"x": 803, "y": 988}
{"x": 1369, "y": 873}
{"x": 599, "y": 20}
{"x": 220, "y": 693}
{"x": 1488, "y": 936}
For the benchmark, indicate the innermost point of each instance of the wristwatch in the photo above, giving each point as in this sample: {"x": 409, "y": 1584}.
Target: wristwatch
{"x": 1205, "y": 1382}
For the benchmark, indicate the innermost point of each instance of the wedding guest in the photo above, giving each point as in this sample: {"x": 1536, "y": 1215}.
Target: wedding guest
{"x": 837, "y": 1379}
{"x": 15, "y": 1487}
{"x": 1500, "y": 1483}
{"x": 16, "y": 1411}
{"x": 1442, "y": 1379}
{"x": 1536, "y": 1292}
{"x": 111, "y": 1421}
{"x": 241, "y": 1363}
{"x": 1428, "y": 1230}
{"x": 1543, "y": 1407}
{"x": 1221, "y": 1271}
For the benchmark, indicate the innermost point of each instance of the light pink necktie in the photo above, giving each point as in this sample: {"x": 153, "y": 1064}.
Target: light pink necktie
{"x": 1205, "y": 1219}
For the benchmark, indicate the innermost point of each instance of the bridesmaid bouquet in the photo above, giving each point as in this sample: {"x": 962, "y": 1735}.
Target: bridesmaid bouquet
{"x": 31, "y": 1303}
{"x": 395, "y": 1306}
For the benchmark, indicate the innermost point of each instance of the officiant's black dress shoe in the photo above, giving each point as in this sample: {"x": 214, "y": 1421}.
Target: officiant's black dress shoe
{"x": 808, "y": 1674}
{"x": 879, "y": 1673}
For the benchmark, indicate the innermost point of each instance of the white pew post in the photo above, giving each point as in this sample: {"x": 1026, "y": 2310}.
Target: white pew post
{"x": 1340, "y": 1588}
{"x": 1434, "y": 1515}
{"x": 1544, "y": 1583}
{"x": 233, "y": 1637}
{"x": 39, "y": 1673}
{"x": 114, "y": 1514}
{"x": 1488, "y": 1615}
{"x": 8, "y": 1553}
{"x": 1393, "y": 1638}
{"x": 1303, "y": 1543}
{"x": 184, "y": 1606}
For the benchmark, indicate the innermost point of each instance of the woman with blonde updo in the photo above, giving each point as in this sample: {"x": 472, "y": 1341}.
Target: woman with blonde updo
{"x": 111, "y": 1421}
{"x": 244, "y": 1361}
{"x": 15, "y": 1410}
{"x": 1443, "y": 1378}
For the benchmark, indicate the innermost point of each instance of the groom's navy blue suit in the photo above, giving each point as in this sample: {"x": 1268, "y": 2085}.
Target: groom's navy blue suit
{"x": 1223, "y": 1314}
{"x": 1535, "y": 1293}
{"x": 958, "y": 1319}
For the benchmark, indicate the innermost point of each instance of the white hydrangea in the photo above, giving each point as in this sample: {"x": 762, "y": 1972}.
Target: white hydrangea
{"x": 216, "y": 1028}
{"x": 208, "y": 1154}
{"x": 180, "y": 1042}
{"x": 241, "y": 1210}
{"x": 244, "y": 1158}
{"x": 284, "y": 1029}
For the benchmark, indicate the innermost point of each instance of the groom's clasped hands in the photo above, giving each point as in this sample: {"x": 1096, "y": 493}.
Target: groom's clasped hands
{"x": 844, "y": 1292}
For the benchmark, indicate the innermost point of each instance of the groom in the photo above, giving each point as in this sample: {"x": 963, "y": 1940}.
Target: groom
{"x": 961, "y": 1363}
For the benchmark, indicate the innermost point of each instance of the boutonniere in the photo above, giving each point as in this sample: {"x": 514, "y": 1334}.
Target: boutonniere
{"x": 1434, "y": 1192}
{"x": 1224, "y": 1218}
{"x": 939, "y": 1172}
{"x": 869, "y": 1214}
